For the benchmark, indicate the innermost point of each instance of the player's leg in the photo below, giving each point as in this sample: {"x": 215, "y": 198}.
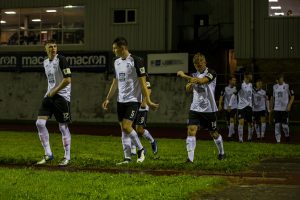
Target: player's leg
{"x": 126, "y": 141}
{"x": 141, "y": 122}
{"x": 211, "y": 123}
{"x": 130, "y": 114}
{"x": 227, "y": 118}
{"x": 193, "y": 123}
{"x": 248, "y": 117}
{"x": 232, "y": 122}
{"x": 263, "y": 124}
{"x": 45, "y": 112}
{"x": 44, "y": 138}
{"x": 277, "y": 116}
{"x": 285, "y": 126}
{"x": 257, "y": 121}
{"x": 191, "y": 142}
{"x": 241, "y": 124}
{"x": 62, "y": 113}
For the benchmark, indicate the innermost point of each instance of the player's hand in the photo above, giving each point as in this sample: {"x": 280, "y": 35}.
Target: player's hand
{"x": 180, "y": 73}
{"x": 194, "y": 80}
{"x": 188, "y": 87}
{"x": 105, "y": 104}
{"x": 152, "y": 106}
{"x": 288, "y": 109}
{"x": 50, "y": 94}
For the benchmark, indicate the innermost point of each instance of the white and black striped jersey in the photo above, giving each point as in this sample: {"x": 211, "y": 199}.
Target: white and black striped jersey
{"x": 56, "y": 70}
{"x": 127, "y": 72}
{"x": 227, "y": 93}
{"x": 281, "y": 96}
{"x": 204, "y": 95}
{"x": 259, "y": 100}
{"x": 244, "y": 94}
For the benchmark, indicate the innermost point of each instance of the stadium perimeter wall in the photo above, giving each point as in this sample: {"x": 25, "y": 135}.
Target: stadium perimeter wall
{"x": 22, "y": 93}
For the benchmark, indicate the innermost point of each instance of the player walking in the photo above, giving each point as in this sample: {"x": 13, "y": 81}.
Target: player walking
{"x": 229, "y": 111}
{"x": 260, "y": 109}
{"x": 56, "y": 102}
{"x": 281, "y": 102}
{"x": 130, "y": 81}
{"x": 244, "y": 94}
{"x": 141, "y": 121}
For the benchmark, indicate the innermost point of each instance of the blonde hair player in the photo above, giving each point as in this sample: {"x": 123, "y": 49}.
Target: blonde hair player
{"x": 203, "y": 108}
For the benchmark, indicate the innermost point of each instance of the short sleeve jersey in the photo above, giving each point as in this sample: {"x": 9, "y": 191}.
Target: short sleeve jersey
{"x": 227, "y": 93}
{"x": 127, "y": 72}
{"x": 56, "y": 70}
{"x": 245, "y": 95}
{"x": 281, "y": 94}
{"x": 259, "y": 100}
{"x": 204, "y": 95}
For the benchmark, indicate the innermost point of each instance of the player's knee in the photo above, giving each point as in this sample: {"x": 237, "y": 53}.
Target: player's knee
{"x": 140, "y": 129}
{"x": 40, "y": 123}
{"x": 241, "y": 122}
{"x": 192, "y": 130}
{"x": 214, "y": 134}
{"x": 127, "y": 128}
{"x": 231, "y": 120}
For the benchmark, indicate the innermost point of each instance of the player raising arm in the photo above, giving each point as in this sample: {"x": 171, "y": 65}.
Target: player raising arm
{"x": 203, "y": 108}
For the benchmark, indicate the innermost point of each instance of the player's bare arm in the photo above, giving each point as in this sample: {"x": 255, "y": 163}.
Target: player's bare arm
{"x": 146, "y": 94}
{"x": 193, "y": 80}
{"x": 189, "y": 87}
{"x": 66, "y": 81}
{"x": 144, "y": 101}
{"x": 291, "y": 101}
{"x": 110, "y": 94}
{"x": 220, "y": 103}
{"x": 271, "y": 104}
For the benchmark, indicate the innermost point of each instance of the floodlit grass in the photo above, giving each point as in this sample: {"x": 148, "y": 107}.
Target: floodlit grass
{"x": 32, "y": 184}
{"x": 103, "y": 152}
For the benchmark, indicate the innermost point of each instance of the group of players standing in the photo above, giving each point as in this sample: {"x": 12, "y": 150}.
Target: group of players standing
{"x": 132, "y": 85}
{"x": 252, "y": 104}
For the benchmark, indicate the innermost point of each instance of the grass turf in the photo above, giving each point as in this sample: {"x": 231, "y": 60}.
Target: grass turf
{"x": 32, "y": 184}
{"x": 104, "y": 152}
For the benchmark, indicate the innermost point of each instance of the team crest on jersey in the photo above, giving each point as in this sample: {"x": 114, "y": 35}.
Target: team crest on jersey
{"x": 122, "y": 76}
{"x": 142, "y": 70}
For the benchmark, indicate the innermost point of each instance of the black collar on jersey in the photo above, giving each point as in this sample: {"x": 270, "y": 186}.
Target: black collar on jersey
{"x": 206, "y": 69}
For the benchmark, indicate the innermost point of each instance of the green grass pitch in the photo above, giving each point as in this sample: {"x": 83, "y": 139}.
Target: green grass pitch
{"x": 103, "y": 152}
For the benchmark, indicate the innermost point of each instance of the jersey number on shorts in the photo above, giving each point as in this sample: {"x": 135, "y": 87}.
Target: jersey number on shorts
{"x": 132, "y": 114}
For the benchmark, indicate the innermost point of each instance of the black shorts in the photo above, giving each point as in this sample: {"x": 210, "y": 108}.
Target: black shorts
{"x": 141, "y": 118}
{"x": 57, "y": 106}
{"x": 205, "y": 120}
{"x": 245, "y": 113}
{"x": 127, "y": 110}
{"x": 258, "y": 114}
{"x": 281, "y": 117}
{"x": 230, "y": 114}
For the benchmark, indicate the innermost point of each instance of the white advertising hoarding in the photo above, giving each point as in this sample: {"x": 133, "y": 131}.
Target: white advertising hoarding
{"x": 167, "y": 63}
